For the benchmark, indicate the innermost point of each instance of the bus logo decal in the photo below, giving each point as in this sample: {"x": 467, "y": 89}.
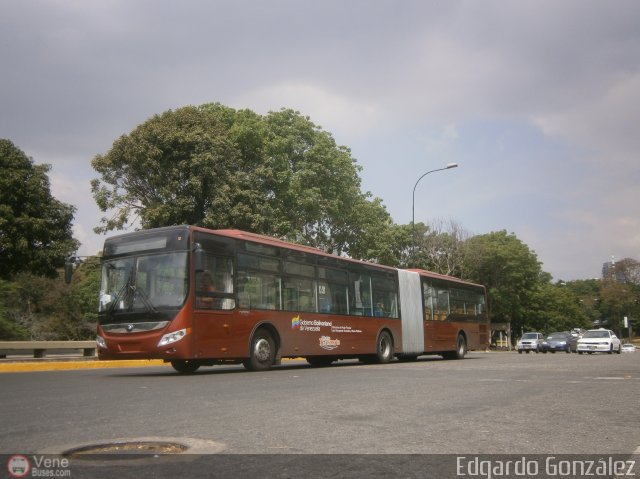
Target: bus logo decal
{"x": 308, "y": 325}
{"x": 329, "y": 344}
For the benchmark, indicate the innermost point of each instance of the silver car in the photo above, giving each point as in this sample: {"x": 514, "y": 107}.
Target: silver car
{"x": 530, "y": 342}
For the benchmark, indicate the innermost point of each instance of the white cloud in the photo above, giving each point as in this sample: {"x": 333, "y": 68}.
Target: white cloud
{"x": 604, "y": 123}
{"x": 331, "y": 110}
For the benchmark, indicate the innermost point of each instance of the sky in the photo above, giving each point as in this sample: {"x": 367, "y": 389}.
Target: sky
{"x": 537, "y": 101}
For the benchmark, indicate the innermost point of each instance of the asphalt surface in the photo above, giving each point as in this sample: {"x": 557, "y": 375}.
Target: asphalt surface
{"x": 489, "y": 403}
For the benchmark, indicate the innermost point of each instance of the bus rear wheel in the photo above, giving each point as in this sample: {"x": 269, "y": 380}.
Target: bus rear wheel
{"x": 185, "y": 366}
{"x": 460, "y": 351}
{"x": 384, "y": 348}
{"x": 262, "y": 353}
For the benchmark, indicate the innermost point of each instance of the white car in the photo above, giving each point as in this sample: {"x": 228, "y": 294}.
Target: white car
{"x": 629, "y": 348}
{"x": 599, "y": 341}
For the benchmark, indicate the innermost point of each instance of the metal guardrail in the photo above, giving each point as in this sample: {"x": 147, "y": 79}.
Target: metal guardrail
{"x": 40, "y": 348}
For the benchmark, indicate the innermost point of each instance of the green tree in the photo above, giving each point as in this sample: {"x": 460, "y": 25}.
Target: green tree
{"x": 217, "y": 167}
{"x": 589, "y": 297}
{"x": 553, "y": 307}
{"x": 72, "y": 309}
{"x": 35, "y": 228}
{"x": 393, "y": 245}
{"x": 626, "y": 270}
{"x": 178, "y": 167}
{"x": 440, "y": 247}
{"x": 10, "y": 329}
{"x": 617, "y": 301}
{"x": 41, "y": 308}
{"x": 511, "y": 273}
{"x": 314, "y": 187}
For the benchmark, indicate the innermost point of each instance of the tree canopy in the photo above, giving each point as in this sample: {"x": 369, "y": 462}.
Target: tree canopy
{"x": 213, "y": 166}
{"x": 509, "y": 270}
{"x": 35, "y": 228}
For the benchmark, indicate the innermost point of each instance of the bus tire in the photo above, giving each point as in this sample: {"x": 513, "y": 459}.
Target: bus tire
{"x": 262, "y": 352}
{"x": 460, "y": 351}
{"x": 185, "y": 366}
{"x": 384, "y": 348}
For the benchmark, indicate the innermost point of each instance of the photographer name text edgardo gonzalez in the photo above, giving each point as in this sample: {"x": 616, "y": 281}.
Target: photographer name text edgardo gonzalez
{"x": 551, "y": 466}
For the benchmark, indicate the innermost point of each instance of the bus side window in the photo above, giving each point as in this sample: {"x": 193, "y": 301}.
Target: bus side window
{"x": 259, "y": 291}
{"x": 204, "y": 288}
{"x": 332, "y": 291}
{"x": 458, "y": 299}
{"x": 361, "y": 297}
{"x": 429, "y": 295}
{"x": 479, "y": 305}
{"x": 325, "y": 300}
{"x": 442, "y": 304}
{"x": 214, "y": 285}
{"x": 385, "y": 296}
{"x": 299, "y": 295}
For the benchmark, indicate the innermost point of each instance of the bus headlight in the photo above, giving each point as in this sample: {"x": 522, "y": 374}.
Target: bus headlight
{"x": 100, "y": 342}
{"x": 173, "y": 337}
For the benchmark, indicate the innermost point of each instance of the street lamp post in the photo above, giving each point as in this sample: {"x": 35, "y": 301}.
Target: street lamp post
{"x": 413, "y": 209}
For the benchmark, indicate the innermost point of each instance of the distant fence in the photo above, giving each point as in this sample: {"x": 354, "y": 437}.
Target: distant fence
{"x": 39, "y": 349}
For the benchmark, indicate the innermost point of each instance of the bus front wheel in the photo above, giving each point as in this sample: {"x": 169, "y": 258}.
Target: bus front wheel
{"x": 262, "y": 353}
{"x": 185, "y": 366}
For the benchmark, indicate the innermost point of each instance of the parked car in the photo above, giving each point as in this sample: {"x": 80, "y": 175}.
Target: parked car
{"x": 599, "y": 341}
{"x": 629, "y": 348}
{"x": 578, "y": 332}
{"x": 530, "y": 342}
{"x": 560, "y": 341}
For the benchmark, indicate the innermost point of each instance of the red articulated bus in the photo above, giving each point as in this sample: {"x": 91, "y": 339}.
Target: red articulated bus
{"x": 197, "y": 297}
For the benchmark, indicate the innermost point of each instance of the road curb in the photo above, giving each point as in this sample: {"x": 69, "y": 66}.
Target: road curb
{"x": 71, "y": 365}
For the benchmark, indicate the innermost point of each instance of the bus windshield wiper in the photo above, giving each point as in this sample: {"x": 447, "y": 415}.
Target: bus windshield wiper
{"x": 145, "y": 298}
{"x": 119, "y": 294}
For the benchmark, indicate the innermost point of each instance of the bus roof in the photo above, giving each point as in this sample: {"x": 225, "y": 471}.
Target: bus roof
{"x": 453, "y": 279}
{"x": 269, "y": 240}
{"x": 258, "y": 238}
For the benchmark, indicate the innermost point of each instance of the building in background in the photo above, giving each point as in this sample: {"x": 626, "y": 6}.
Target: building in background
{"x": 624, "y": 271}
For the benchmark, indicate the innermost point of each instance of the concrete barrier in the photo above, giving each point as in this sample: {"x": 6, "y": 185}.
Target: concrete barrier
{"x": 40, "y": 348}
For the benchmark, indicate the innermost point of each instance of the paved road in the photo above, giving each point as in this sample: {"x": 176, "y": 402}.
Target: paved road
{"x": 490, "y": 403}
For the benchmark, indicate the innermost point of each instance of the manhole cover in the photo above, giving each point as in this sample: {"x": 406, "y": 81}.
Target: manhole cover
{"x": 136, "y": 447}
{"x": 129, "y": 450}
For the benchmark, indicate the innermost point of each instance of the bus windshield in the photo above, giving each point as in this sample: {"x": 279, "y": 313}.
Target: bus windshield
{"x": 144, "y": 283}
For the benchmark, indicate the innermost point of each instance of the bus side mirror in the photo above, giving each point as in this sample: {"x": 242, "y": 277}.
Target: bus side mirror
{"x": 68, "y": 269}
{"x": 199, "y": 259}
